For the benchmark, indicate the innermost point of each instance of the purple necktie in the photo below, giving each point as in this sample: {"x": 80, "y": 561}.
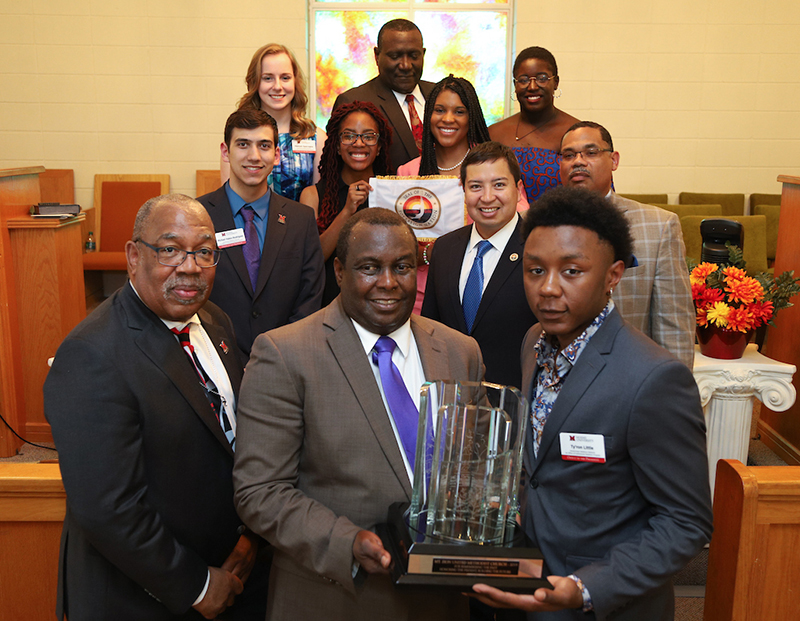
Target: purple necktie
{"x": 401, "y": 405}
{"x": 252, "y": 253}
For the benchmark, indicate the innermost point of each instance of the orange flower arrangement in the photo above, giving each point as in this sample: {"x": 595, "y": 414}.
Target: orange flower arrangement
{"x": 725, "y": 296}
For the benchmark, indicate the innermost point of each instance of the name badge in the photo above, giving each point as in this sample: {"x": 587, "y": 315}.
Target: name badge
{"x": 234, "y": 237}
{"x": 306, "y": 145}
{"x": 583, "y": 447}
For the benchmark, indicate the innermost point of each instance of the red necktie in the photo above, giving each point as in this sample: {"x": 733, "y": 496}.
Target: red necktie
{"x": 416, "y": 124}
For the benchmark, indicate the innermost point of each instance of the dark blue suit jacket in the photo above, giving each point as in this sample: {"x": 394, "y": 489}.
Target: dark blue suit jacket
{"x": 504, "y": 316}
{"x": 291, "y": 275}
{"x": 626, "y": 526}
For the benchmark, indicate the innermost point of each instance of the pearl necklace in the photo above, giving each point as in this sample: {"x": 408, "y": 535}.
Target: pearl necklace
{"x": 461, "y": 161}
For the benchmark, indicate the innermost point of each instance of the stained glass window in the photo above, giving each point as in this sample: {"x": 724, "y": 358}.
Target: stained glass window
{"x": 470, "y": 39}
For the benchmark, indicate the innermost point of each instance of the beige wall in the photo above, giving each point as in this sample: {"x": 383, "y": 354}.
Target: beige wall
{"x": 699, "y": 95}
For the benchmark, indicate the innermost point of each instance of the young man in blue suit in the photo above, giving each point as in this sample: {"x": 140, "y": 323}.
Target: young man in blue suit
{"x": 617, "y": 497}
{"x": 500, "y": 315}
{"x": 271, "y": 272}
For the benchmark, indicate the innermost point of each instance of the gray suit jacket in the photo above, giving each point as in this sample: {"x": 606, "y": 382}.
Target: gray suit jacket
{"x": 317, "y": 461}
{"x": 656, "y": 296}
{"x": 403, "y": 148}
{"x": 626, "y": 526}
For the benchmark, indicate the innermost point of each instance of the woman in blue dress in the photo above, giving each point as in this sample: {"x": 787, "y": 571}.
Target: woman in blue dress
{"x": 535, "y": 132}
{"x": 275, "y": 84}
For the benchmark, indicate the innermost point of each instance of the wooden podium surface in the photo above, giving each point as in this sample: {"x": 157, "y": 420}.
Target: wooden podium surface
{"x": 42, "y": 298}
{"x": 780, "y": 431}
{"x": 32, "y": 506}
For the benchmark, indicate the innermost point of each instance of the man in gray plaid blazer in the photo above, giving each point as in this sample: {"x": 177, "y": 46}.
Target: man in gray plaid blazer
{"x": 654, "y": 295}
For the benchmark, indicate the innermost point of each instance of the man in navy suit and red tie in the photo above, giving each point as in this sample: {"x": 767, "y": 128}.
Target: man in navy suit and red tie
{"x": 271, "y": 272}
{"x": 397, "y": 91}
{"x": 145, "y": 428}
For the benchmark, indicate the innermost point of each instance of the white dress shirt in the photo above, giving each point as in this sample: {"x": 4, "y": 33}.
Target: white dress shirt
{"x": 419, "y": 103}
{"x": 490, "y": 260}
{"x": 406, "y": 358}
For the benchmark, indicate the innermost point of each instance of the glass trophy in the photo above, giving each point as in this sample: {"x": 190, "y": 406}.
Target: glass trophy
{"x": 460, "y": 527}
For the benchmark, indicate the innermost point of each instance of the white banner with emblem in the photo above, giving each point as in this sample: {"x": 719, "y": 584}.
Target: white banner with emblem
{"x": 432, "y": 205}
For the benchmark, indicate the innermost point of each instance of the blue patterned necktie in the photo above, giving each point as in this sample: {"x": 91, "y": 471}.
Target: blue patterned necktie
{"x": 252, "y": 253}
{"x": 474, "y": 288}
{"x": 401, "y": 405}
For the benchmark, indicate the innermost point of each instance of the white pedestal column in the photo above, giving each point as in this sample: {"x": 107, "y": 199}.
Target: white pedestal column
{"x": 727, "y": 389}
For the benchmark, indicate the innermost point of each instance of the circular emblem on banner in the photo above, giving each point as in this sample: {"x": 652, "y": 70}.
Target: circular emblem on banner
{"x": 419, "y": 207}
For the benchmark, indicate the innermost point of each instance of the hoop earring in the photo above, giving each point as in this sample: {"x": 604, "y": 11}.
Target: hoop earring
{"x": 557, "y": 93}
{"x": 513, "y": 95}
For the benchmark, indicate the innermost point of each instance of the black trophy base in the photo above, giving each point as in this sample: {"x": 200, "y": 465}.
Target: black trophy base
{"x": 458, "y": 566}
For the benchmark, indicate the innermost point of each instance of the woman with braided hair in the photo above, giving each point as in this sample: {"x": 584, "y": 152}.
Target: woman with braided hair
{"x": 452, "y": 125}
{"x": 357, "y": 148}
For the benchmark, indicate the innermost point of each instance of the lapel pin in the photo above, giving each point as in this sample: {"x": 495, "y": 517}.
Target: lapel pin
{"x": 223, "y": 347}
{"x": 514, "y": 256}
{"x": 281, "y": 218}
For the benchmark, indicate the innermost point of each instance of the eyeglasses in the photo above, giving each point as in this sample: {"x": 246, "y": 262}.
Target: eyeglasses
{"x": 368, "y": 138}
{"x": 540, "y": 78}
{"x": 589, "y": 153}
{"x": 173, "y": 257}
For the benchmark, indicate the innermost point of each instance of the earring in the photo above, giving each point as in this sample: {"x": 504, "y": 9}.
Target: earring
{"x": 513, "y": 95}
{"x": 610, "y": 292}
{"x": 557, "y": 93}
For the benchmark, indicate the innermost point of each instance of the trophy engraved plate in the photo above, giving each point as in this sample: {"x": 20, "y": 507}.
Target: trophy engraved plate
{"x": 459, "y": 528}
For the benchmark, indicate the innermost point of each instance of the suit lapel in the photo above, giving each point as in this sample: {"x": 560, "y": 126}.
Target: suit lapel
{"x": 220, "y": 210}
{"x": 226, "y": 350}
{"x": 396, "y": 118}
{"x": 276, "y": 231}
{"x": 157, "y": 343}
{"x": 453, "y": 261}
{"x": 505, "y": 268}
{"x": 432, "y": 352}
{"x": 580, "y": 378}
{"x": 349, "y": 353}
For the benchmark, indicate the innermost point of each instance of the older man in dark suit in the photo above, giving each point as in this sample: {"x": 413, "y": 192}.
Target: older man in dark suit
{"x": 397, "y": 91}
{"x": 271, "y": 271}
{"x": 328, "y": 425}
{"x": 475, "y": 278}
{"x": 617, "y": 497}
{"x": 141, "y": 400}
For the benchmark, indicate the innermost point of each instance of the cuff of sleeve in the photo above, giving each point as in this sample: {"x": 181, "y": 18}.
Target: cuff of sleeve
{"x": 587, "y": 598}
{"x": 204, "y": 591}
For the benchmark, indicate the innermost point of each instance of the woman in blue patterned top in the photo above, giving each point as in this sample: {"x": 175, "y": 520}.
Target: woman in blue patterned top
{"x": 535, "y": 132}
{"x": 275, "y": 84}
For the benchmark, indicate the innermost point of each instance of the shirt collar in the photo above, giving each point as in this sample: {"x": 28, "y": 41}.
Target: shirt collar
{"x": 546, "y": 351}
{"x": 260, "y": 206}
{"x": 499, "y": 240}
{"x": 418, "y": 98}
{"x": 401, "y": 336}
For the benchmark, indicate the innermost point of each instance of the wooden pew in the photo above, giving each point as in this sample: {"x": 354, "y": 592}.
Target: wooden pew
{"x": 754, "y": 560}
{"x": 32, "y": 506}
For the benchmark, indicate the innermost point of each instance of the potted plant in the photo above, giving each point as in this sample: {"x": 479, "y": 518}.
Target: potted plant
{"x": 729, "y": 304}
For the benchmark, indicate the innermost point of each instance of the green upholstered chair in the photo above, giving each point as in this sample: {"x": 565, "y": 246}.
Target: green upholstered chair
{"x": 732, "y": 204}
{"x": 648, "y": 199}
{"x": 773, "y": 215}
{"x": 763, "y": 199}
{"x": 709, "y": 211}
{"x": 755, "y": 240}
